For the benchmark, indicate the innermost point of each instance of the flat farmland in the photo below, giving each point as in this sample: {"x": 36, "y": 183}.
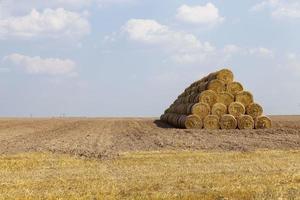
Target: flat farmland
{"x": 107, "y": 137}
{"x": 142, "y": 158}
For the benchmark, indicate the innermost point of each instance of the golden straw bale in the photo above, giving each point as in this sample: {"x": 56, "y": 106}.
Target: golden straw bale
{"x": 225, "y": 98}
{"x": 225, "y": 75}
{"x": 228, "y": 122}
{"x": 201, "y": 110}
{"x": 219, "y": 109}
{"x": 217, "y": 86}
{"x": 244, "y": 97}
{"x": 234, "y": 88}
{"x": 263, "y": 122}
{"x": 211, "y": 122}
{"x": 254, "y": 110}
{"x": 193, "y": 122}
{"x": 245, "y": 122}
{"x": 236, "y": 109}
{"x": 208, "y": 96}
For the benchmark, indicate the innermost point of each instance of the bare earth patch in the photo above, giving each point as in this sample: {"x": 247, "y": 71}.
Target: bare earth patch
{"x": 108, "y": 137}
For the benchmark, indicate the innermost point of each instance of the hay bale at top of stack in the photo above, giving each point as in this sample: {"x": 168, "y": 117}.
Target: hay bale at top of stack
{"x": 215, "y": 102}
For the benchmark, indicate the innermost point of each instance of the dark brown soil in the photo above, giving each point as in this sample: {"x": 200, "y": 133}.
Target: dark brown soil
{"x": 108, "y": 137}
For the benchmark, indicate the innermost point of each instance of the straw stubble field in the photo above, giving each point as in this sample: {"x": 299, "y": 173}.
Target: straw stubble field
{"x": 146, "y": 159}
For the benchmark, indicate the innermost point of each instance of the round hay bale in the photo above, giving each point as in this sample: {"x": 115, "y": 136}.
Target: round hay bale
{"x": 175, "y": 120}
{"x": 244, "y": 97}
{"x": 201, "y": 87}
{"x": 245, "y": 122}
{"x": 208, "y": 96}
{"x": 189, "y": 108}
{"x": 263, "y": 122}
{"x": 168, "y": 118}
{"x": 165, "y": 117}
{"x": 186, "y": 99}
{"x": 181, "y": 121}
{"x": 228, "y": 122}
{"x": 236, "y": 109}
{"x": 234, "y": 88}
{"x": 171, "y": 119}
{"x": 211, "y": 122}
{"x": 201, "y": 110}
{"x": 217, "y": 86}
{"x": 180, "y": 109}
{"x": 167, "y": 110}
{"x": 225, "y": 75}
{"x": 193, "y": 122}
{"x": 196, "y": 83}
{"x": 219, "y": 109}
{"x": 254, "y": 110}
{"x": 226, "y": 98}
{"x": 196, "y": 98}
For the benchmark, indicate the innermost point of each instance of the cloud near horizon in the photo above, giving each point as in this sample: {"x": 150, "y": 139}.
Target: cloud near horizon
{"x": 279, "y": 9}
{"x": 44, "y": 66}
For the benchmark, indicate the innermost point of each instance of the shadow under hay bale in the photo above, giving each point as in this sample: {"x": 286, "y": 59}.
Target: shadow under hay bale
{"x": 162, "y": 124}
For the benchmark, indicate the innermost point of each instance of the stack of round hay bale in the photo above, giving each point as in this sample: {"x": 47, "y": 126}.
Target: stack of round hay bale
{"x": 216, "y": 102}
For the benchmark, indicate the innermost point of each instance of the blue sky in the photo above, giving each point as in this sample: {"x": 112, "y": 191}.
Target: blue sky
{"x": 133, "y": 58}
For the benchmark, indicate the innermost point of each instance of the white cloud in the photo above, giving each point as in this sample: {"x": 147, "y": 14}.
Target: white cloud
{"x": 232, "y": 49}
{"x": 183, "y": 47}
{"x": 17, "y": 7}
{"x": 208, "y": 14}
{"x": 38, "y": 65}
{"x": 261, "y": 51}
{"x": 280, "y": 9}
{"x": 49, "y": 23}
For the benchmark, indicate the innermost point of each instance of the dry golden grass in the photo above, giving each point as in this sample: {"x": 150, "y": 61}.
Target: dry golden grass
{"x": 153, "y": 175}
